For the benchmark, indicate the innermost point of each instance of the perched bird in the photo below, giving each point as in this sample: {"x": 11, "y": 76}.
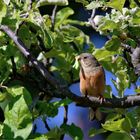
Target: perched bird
{"x": 92, "y": 80}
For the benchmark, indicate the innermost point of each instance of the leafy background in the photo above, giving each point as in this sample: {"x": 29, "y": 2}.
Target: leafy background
{"x": 24, "y": 93}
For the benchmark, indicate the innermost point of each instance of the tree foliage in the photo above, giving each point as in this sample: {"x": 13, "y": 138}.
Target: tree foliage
{"x": 54, "y": 40}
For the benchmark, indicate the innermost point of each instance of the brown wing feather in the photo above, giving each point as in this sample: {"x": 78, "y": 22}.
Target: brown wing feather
{"x": 97, "y": 83}
{"x": 93, "y": 85}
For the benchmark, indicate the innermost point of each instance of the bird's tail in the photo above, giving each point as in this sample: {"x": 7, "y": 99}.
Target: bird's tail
{"x": 95, "y": 113}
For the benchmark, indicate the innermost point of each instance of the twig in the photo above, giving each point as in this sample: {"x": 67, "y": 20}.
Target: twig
{"x": 53, "y": 16}
{"x": 91, "y": 19}
{"x": 129, "y": 101}
{"x": 65, "y": 119}
{"x": 38, "y": 65}
{"x": 46, "y": 125}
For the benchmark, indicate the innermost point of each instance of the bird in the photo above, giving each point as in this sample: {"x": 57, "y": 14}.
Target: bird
{"x": 92, "y": 80}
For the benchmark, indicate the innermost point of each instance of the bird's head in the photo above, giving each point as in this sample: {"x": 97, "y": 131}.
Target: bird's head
{"x": 87, "y": 60}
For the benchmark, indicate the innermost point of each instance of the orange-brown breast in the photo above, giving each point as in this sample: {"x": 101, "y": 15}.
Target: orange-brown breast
{"x": 93, "y": 84}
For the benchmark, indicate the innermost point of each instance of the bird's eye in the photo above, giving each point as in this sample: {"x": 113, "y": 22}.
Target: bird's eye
{"x": 85, "y": 57}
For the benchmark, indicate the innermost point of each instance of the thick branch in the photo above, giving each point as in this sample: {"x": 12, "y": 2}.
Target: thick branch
{"x": 26, "y": 53}
{"x": 125, "y": 102}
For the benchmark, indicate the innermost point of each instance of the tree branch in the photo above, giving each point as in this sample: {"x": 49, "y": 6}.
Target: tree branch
{"x": 65, "y": 119}
{"x": 53, "y": 16}
{"x": 128, "y": 101}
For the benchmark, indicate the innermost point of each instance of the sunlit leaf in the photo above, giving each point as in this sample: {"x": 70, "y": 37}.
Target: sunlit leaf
{"x": 62, "y": 15}
{"x": 113, "y": 125}
{"x": 116, "y": 4}
{"x": 108, "y": 25}
{"x": 62, "y": 102}
{"x": 19, "y": 90}
{"x": 137, "y": 90}
{"x": 52, "y": 2}
{"x": 6, "y": 2}
{"x": 3, "y": 10}
{"x": 18, "y": 119}
{"x": 94, "y": 5}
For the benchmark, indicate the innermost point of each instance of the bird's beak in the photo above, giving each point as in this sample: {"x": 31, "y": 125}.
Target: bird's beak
{"x": 77, "y": 58}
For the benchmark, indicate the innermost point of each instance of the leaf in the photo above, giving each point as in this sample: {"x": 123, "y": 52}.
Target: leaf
{"x": 48, "y": 109}
{"x": 74, "y": 131}
{"x": 113, "y": 117}
{"x": 6, "y": 2}
{"x": 119, "y": 136}
{"x": 137, "y": 90}
{"x": 117, "y": 125}
{"x": 94, "y": 5}
{"x": 18, "y": 119}
{"x": 122, "y": 81}
{"x": 107, "y": 25}
{"x": 2, "y": 96}
{"x": 113, "y": 125}
{"x": 19, "y": 90}
{"x": 62, "y": 102}
{"x": 113, "y": 44}
{"x": 62, "y": 15}
{"x": 84, "y": 2}
{"x": 52, "y": 2}
{"x": 116, "y": 4}
{"x": 53, "y": 134}
{"x": 94, "y": 131}
{"x": 3, "y": 10}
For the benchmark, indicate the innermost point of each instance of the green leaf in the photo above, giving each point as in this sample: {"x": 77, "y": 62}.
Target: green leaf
{"x": 6, "y": 2}
{"x": 18, "y": 119}
{"x": 52, "y": 2}
{"x": 84, "y": 2}
{"x": 62, "y": 15}
{"x": 94, "y": 5}
{"x": 62, "y": 102}
{"x": 53, "y": 134}
{"x": 19, "y": 90}
{"x": 108, "y": 25}
{"x": 114, "y": 125}
{"x": 2, "y": 96}
{"x": 3, "y": 10}
{"x": 116, "y": 4}
{"x": 113, "y": 44}
{"x": 134, "y": 31}
{"x": 93, "y": 132}
{"x": 48, "y": 109}
{"x": 113, "y": 117}
{"x": 74, "y": 131}
{"x": 119, "y": 136}
{"x": 122, "y": 81}
{"x": 103, "y": 54}
{"x": 137, "y": 90}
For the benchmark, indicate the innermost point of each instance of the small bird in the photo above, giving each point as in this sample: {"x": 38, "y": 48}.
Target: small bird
{"x": 92, "y": 80}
